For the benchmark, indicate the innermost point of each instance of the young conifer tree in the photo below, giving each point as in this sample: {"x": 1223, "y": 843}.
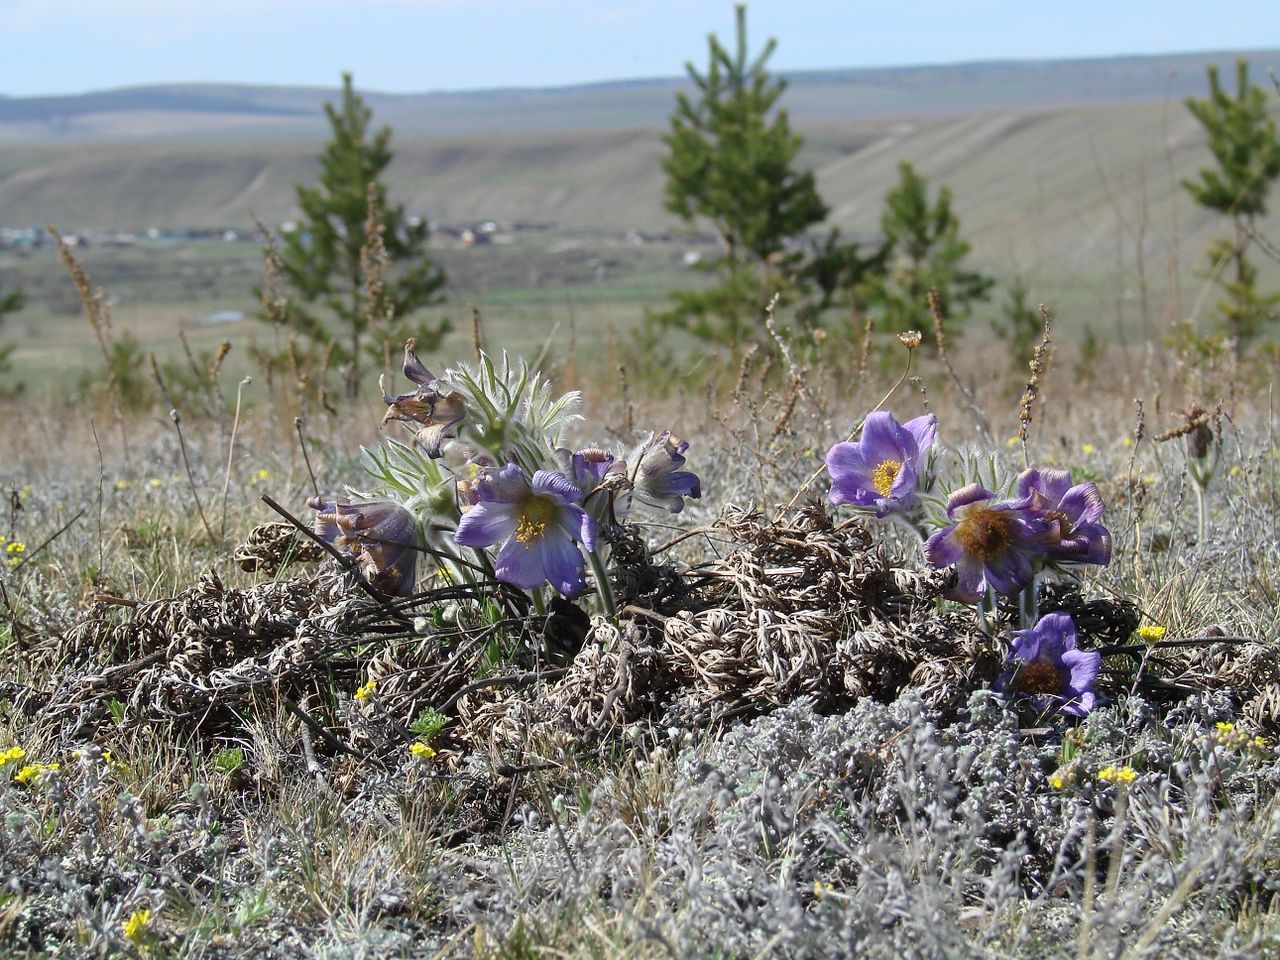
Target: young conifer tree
{"x": 10, "y": 302}
{"x": 923, "y": 251}
{"x": 731, "y": 162}
{"x": 350, "y": 291}
{"x": 1246, "y": 147}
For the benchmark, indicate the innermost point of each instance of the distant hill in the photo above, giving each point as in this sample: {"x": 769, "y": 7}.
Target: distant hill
{"x": 220, "y": 112}
{"x": 1064, "y": 165}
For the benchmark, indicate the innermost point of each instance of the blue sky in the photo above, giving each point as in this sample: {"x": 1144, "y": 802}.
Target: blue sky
{"x": 67, "y": 46}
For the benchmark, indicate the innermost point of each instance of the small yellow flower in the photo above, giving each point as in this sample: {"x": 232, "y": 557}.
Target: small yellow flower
{"x": 13, "y": 562}
{"x": 1226, "y": 735}
{"x": 1127, "y": 441}
{"x": 16, "y": 547}
{"x": 25, "y": 491}
{"x": 1117, "y": 774}
{"x": 1258, "y": 743}
{"x": 1057, "y": 781}
{"x": 123, "y": 484}
{"x": 1089, "y": 448}
{"x": 155, "y": 483}
{"x": 365, "y": 692}
{"x": 821, "y": 889}
{"x": 1151, "y": 632}
{"x": 12, "y": 755}
{"x": 422, "y": 751}
{"x": 35, "y": 772}
{"x": 1012, "y": 442}
{"x": 1235, "y": 471}
{"x": 264, "y": 475}
{"x": 135, "y": 928}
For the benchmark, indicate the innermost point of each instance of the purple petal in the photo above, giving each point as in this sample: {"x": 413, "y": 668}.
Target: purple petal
{"x": 487, "y": 523}
{"x": 551, "y": 483}
{"x": 845, "y": 460}
{"x": 1082, "y": 504}
{"x": 883, "y": 439}
{"x": 1084, "y": 666}
{"x": 904, "y": 484}
{"x": 971, "y": 582}
{"x": 1009, "y": 572}
{"x": 553, "y": 558}
{"x": 943, "y": 548}
{"x": 973, "y": 493}
{"x": 923, "y": 430}
{"x": 579, "y": 525}
{"x": 505, "y": 485}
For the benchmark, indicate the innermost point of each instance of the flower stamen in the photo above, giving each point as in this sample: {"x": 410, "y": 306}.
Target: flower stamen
{"x": 1038, "y": 678}
{"x": 884, "y": 475}
{"x": 531, "y": 525}
{"x": 984, "y": 533}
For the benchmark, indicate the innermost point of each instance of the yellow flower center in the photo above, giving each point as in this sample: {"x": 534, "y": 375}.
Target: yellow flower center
{"x": 884, "y": 476}
{"x": 537, "y": 512}
{"x": 984, "y": 533}
{"x": 1039, "y": 678}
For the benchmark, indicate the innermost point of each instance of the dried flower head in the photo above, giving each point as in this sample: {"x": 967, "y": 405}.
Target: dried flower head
{"x": 435, "y": 405}
{"x": 381, "y": 534}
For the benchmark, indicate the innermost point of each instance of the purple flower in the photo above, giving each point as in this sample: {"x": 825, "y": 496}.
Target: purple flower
{"x": 381, "y": 535}
{"x": 1073, "y": 511}
{"x": 991, "y": 543}
{"x": 537, "y": 524}
{"x": 882, "y": 470}
{"x": 589, "y": 467}
{"x": 657, "y": 476}
{"x": 1045, "y": 666}
{"x": 438, "y": 407}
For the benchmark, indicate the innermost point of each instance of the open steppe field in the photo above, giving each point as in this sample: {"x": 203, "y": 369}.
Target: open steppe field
{"x": 576, "y": 637}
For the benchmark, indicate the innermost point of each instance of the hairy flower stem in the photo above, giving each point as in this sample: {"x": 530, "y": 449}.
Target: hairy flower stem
{"x": 1028, "y": 605}
{"x": 1202, "y": 522}
{"x": 603, "y": 586}
{"x": 539, "y": 602}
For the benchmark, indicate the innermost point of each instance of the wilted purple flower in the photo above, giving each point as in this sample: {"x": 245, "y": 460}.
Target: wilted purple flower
{"x": 537, "y": 524}
{"x": 882, "y": 470}
{"x": 438, "y": 407}
{"x": 657, "y": 476}
{"x": 381, "y": 535}
{"x": 1045, "y": 666}
{"x": 991, "y": 543}
{"x": 1073, "y": 511}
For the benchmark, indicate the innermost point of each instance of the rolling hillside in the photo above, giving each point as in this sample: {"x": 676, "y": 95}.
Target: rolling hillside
{"x": 1040, "y": 184}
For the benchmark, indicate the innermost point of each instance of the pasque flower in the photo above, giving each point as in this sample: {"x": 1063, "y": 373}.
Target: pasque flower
{"x": 1072, "y": 512}
{"x": 657, "y": 476}
{"x": 991, "y": 543}
{"x": 882, "y": 470}
{"x": 1045, "y": 667}
{"x": 435, "y": 405}
{"x": 381, "y": 534}
{"x": 537, "y": 524}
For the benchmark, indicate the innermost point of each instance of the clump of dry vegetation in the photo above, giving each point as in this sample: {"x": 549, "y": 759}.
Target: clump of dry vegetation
{"x": 222, "y": 735}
